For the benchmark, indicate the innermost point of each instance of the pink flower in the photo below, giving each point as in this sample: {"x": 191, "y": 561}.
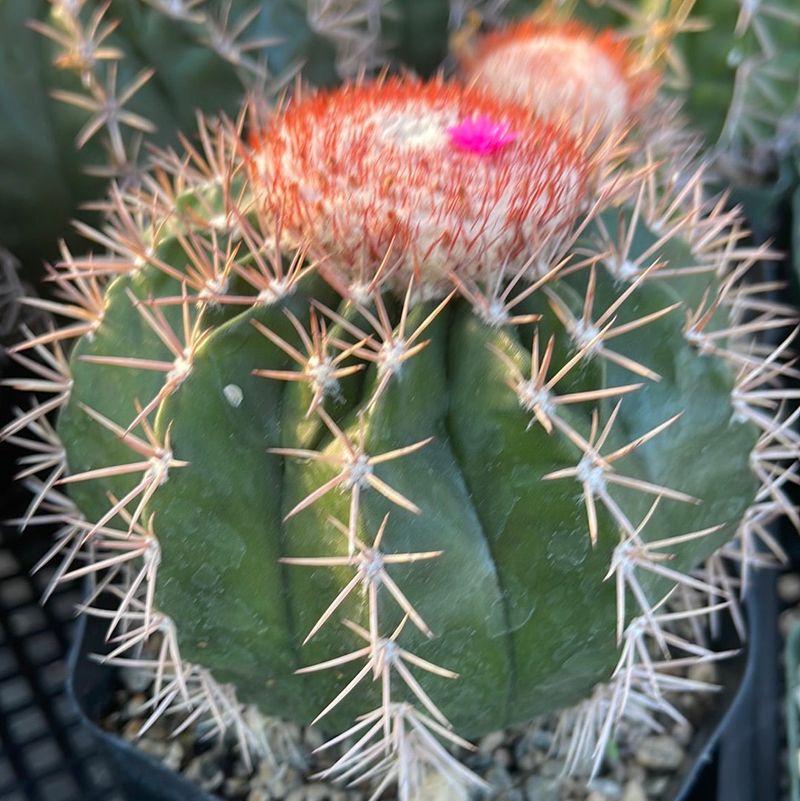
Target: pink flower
{"x": 482, "y": 136}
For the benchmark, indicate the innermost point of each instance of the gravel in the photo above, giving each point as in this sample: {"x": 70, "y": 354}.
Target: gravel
{"x": 518, "y": 763}
{"x": 660, "y": 752}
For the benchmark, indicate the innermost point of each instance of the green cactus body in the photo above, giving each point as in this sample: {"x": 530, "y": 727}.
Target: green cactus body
{"x": 406, "y": 413}
{"x": 517, "y": 601}
{"x": 746, "y": 98}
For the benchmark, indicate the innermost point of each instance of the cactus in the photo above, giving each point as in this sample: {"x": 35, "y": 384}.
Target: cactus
{"x": 489, "y": 434}
{"x": 546, "y": 65}
{"x": 410, "y": 414}
{"x": 735, "y": 64}
{"x": 746, "y": 97}
{"x": 88, "y": 55}
{"x": 91, "y": 85}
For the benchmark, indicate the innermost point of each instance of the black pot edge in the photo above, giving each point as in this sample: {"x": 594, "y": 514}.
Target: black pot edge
{"x": 792, "y": 711}
{"x": 731, "y": 740}
{"x": 745, "y": 741}
{"x": 140, "y": 776}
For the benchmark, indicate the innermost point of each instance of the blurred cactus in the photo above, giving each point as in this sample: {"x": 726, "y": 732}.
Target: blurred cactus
{"x": 87, "y": 84}
{"x": 743, "y": 80}
{"x": 410, "y": 412}
{"x": 736, "y": 64}
{"x": 566, "y": 72}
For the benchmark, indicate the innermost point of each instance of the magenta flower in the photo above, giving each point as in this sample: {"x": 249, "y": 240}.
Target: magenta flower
{"x": 481, "y": 135}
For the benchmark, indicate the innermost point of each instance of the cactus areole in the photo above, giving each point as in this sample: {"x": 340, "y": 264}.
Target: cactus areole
{"x": 387, "y": 426}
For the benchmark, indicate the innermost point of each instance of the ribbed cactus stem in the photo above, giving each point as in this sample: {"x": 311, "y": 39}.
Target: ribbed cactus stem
{"x": 410, "y": 418}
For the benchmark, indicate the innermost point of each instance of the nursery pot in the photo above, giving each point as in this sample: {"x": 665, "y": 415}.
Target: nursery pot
{"x": 733, "y": 755}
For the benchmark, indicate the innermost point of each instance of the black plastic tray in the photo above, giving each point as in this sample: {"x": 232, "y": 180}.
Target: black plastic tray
{"x": 46, "y": 751}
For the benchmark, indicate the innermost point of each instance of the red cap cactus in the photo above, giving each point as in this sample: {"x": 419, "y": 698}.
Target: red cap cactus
{"x": 386, "y": 423}
{"x": 564, "y": 70}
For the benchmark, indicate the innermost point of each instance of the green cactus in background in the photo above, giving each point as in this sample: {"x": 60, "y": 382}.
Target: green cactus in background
{"x": 743, "y": 80}
{"x": 85, "y": 81}
{"x": 409, "y": 417}
{"x": 736, "y": 65}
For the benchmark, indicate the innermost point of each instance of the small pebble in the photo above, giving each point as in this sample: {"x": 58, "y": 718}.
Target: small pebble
{"x": 498, "y": 777}
{"x": 130, "y": 731}
{"x": 683, "y": 732}
{"x": 660, "y": 752}
{"x": 540, "y": 738}
{"x": 204, "y": 772}
{"x": 787, "y": 620}
{"x": 633, "y": 791}
{"x": 280, "y": 783}
{"x": 538, "y": 788}
{"x": 608, "y": 788}
{"x": 264, "y": 773}
{"x": 174, "y": 756}
{"x": 235, "y": 787}
{"x": 436, "y": 788}
{"x": 135, "y": 705}
{"x": 657, "y": 787}
{"x": 529, "y": 761}
{"x": 789, "y": 588}
{"x": 552, "y": 769}
{"x": 491, "y": 741}
{"x": 690, "y": 705}
{"x": 308, "y": 792}
{"x": 156, "y": 748}
{"x": 704, "y": 671}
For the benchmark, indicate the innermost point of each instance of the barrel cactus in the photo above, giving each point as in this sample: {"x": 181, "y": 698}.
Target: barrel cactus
{"x": 408, "y": 413}
{"x": 563, "y": 70}
{"x": 741, "y": 78}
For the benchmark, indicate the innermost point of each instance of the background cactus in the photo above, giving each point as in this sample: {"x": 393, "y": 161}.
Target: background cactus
{"x": 452, "y": 460}
{"x": 747, "y": 101}
{"x": 735, "y": 66}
